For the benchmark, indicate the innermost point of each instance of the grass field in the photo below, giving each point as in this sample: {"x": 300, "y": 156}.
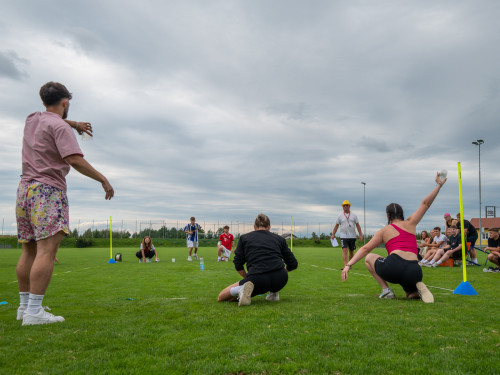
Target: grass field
{"x": 173, "y": 324}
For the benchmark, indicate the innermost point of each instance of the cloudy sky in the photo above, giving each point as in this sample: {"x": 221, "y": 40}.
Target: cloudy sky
{"x": 224, "y": 109}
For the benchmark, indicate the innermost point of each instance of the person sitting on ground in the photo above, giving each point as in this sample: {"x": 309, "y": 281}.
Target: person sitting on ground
{"x": 452, "y": 250}
{"x": 494, "y": 249}
{"x": 147, "y": 251}
{"x": 438, "y": 242}
{"x": 425, "y": 239}
{"x": 401, "y": 265}
{"x": 268, "y": 260}
{"x": 471, "y": 236}
{"x": 225, "y": 245}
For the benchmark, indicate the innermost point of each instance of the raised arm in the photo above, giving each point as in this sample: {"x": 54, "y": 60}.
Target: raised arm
{"x": 415, "y": 217}
{"x": 80, "y": 126}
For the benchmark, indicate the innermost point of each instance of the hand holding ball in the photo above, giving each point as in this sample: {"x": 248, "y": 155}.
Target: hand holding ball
{"x": 443, "y": 174}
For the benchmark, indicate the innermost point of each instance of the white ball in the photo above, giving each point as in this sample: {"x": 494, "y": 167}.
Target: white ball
{"x": 443, "y": 174}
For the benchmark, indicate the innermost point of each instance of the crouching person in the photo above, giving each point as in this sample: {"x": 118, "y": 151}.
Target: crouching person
{"x": 268, "y": 261}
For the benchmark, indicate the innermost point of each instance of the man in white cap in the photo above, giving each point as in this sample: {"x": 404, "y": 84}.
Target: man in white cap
{"x": 347, "y": 221}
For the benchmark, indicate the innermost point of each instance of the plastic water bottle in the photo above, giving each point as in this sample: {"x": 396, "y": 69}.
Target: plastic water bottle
{"x": 202, "y": 264}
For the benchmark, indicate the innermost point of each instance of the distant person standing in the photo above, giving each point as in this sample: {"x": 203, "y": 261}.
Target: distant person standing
{"x": 471, "y": 236}
{"x": 225, "y": 245}
{"x": 49, "y": 150}
{"x": 192, "y": 237}
{"x": 348, "y": 223}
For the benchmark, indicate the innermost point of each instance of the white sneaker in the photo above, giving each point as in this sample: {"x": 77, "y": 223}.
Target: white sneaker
{"x": 148, "y": 260}
{"x": 227, "y": 259}
{"x": 42, "y": 317}
{"x": 20, "y": 313}
{"x": 245, "y": 294}
{"x": 435, "y": 264}
{"x": 195, "y": 256}
{"x": 189, "y": 259}
{"x": 273, "y": 296}
{"x": 426, "y": 265}
{"x": 424, "y": 293}
{"x": 387, "y": 295}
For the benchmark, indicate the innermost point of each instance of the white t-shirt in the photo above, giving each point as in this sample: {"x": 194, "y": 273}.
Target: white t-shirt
{"x": 442, "y": 237}
{"x": 347, "y": 225}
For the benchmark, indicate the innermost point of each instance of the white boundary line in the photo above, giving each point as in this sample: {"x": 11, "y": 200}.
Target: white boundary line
{"x": 361, "y": 274}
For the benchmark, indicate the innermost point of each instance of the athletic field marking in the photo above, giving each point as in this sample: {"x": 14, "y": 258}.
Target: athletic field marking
{"x": 361, "y": 274}
{"x": 175, "y": 298}
{"x": 15, "y": 281}
{"x": 67, "y": 272}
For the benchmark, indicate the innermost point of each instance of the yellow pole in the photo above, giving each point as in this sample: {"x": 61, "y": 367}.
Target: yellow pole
{"x": 291, "y": 233}
{"x": 464, "y": 244}
{"x": 110, "y": 239}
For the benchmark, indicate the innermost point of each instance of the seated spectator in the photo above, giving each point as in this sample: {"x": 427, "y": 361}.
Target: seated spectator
{"x": 424, "y": 242}
{"x": 494, "y": 249}
{"x": 438, "y": 242}
{"x": 471, "y": 236}
{"x": 452, "y": 250}
{"x": 147, "y": 251}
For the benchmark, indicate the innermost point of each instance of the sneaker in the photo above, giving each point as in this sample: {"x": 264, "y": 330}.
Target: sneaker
{"x": 140, "y": 261}
{"x": 424, "y": 293}
{"x": 426, "y": 265}
{"x": 148, "y": 260}
{"x": 434, "y": 264}
{"x": 227, "y": 259}
{"x": 189, "y": 259}
{"x": 387, "y": 295}
{"x": 195, "y": 256}
{"x": 245, "y": 294}
{"x": 494, "y": 270}
{"x": 42, "y": 317}
{"x": 273, "y": 296}
{"x": 219, "y": 260}
{"x": 20, "y": 313}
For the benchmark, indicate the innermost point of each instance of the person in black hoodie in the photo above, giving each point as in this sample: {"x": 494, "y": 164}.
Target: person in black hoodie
{"x": 268, "y": 261}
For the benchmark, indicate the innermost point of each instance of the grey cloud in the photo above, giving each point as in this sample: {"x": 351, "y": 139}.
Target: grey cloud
{"x": 10, "y": 65}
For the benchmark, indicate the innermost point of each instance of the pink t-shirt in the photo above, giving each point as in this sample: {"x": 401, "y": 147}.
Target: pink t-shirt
{"x": 48, "y": 139}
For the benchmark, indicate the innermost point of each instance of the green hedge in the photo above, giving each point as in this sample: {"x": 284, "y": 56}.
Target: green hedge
{"x": 160, "y": 242}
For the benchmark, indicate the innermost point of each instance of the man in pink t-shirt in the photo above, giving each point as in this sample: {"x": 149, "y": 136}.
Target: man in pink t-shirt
{"x": 50, "y": 148}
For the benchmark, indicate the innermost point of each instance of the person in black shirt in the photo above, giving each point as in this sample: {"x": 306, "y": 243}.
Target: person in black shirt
{"x": 452, "y": 250}
{"x": 470, "y": 236}
{"x": 268, "y": 261}
{"x": 494, "y": 249}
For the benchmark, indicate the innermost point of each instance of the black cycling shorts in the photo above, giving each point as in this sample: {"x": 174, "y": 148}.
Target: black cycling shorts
{"x": 272, "y": 281}
{"x": 397, "y": 270}
{"x": 348, "y": 243}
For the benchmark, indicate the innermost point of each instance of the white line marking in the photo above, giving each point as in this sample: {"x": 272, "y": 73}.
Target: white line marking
{"x": 361, "y": 274}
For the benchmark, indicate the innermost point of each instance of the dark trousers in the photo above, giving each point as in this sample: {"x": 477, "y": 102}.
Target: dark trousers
{"x": 149, "y": 254}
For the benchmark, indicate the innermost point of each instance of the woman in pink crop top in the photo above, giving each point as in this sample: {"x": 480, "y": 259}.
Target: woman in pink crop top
{"x": 401, "y": 265}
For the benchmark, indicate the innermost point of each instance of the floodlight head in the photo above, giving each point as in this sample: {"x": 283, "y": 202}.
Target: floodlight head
{"x": 364, "y": 183}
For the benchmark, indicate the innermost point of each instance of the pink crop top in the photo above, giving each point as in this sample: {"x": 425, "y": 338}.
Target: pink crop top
{"x": 405, "y": 242}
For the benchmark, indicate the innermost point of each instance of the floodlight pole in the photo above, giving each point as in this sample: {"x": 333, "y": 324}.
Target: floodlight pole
{"x": 364, "y": 212}
{"x": 479, "y": 142}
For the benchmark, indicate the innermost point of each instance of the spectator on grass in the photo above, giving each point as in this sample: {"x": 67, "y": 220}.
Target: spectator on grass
{"x": 49, "y": 150}
{"x": 268, "y": 260}
{"x": 192, "y": 230}
{"x": 494, "y": 249}
{"x": 425, "y": 239}
{"x": 147, "y": 251}
{"x": 471, "y": 236}
{"x": 453, "y": 250}
{"x": 225, "y": 245}
{"x": 448, "y": 220}
{"x": 401, "y": 265}
{"x": 438, "y": 242}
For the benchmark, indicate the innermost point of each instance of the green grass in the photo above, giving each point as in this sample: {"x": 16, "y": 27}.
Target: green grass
{"x": 174, "y": 325}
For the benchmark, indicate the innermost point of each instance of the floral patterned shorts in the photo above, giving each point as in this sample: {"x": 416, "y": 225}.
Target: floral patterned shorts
{"x": 41, "y": 211}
